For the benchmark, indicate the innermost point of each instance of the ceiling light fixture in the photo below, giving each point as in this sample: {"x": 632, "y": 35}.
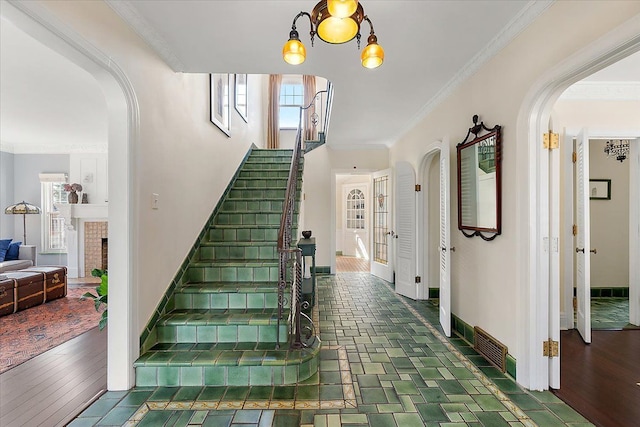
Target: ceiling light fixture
{"x": 335, "y": 22}
{"x": 619, "y": 149}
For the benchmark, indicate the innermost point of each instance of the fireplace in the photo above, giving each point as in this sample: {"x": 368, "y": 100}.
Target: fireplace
{"x": 95, "y": 246}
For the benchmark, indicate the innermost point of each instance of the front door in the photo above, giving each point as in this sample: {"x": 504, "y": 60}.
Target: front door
{"x": 383, "y": 235}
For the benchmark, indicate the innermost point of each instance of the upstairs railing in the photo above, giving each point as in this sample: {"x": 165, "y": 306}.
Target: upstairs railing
{"x": 316, "y": 116}
{"x": 290, "y": 258}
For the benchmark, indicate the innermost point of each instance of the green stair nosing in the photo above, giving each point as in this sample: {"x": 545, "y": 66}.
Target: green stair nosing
{"x": 227, "y": 287}
{"x": 277, "y": 357}
{"x": 220, "y": 317}
{"x": 182, "y": 270}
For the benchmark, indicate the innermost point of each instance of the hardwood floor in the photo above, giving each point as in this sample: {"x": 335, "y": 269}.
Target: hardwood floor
{"x": 345, "y": 264}
{"x": 54, "y": 387}
{"x": 601, "y": 380}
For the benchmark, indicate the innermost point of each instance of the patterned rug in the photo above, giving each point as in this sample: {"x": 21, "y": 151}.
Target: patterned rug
{"x": 33, "y": 331}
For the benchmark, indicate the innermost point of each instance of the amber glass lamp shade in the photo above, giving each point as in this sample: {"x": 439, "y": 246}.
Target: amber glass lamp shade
{"x": 342, "y": 8}
{"x": 337, "y": 30}
{"x": 372, "y": 55}
{"x": 294, "y": 52}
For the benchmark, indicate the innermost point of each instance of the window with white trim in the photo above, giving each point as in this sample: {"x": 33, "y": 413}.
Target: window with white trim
{"x": 53, "y": 228}
{"x": 291, "y": 99}
{"x": 355, "y": 210}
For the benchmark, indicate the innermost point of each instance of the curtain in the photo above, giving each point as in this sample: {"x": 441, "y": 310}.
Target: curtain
{"x": 273, "y": 115}
{"x": 309, "y": 84}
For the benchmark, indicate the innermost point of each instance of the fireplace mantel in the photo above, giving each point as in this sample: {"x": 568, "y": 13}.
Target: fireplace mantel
{"x": 83, "y": 211}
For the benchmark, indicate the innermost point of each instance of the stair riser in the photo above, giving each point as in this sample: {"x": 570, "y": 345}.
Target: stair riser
{"x": 260, "y": 183}
{"x": 232, "y": 274}
{"x": 264, "y": 174}
{"x": 243, "y": 234}
{"x": 248, "y": 218}
{"x": 257, "y": 194}
{"x": 252, "y": 166}
{"x": 225, "y": 301}
{"x": 229, "y": 252}
{"x": 221, "y": 333}
{"x": 273, "y": 206}
{"x": 149, "y": 376}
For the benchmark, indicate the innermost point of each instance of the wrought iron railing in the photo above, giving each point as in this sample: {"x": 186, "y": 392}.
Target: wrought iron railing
{"x": 290, "y": 258}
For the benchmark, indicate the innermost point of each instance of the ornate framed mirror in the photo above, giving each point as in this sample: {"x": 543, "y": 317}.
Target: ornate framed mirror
{"x": 480, "y": 182}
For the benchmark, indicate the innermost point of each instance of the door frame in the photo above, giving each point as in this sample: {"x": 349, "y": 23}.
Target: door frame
{"x": 532, "y": 213}
{"x": 123, "y": 344}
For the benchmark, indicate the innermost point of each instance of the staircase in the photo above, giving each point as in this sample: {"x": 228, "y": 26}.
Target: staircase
{"x": 221, "y": 326}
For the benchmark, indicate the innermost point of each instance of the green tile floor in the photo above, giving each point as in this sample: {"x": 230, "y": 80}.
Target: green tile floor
{"x": 384, "y": 362}
{"x": 610, "y": 313}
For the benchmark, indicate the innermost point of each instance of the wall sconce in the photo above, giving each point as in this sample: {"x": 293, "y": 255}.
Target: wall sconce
{"x": 618, "y": 148}
{"x": 335, "y": 22}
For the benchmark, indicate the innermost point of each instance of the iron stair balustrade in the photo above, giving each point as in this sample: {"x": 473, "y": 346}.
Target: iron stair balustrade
{"x": 322, "y": 101}
{"x": 286, "y": 254}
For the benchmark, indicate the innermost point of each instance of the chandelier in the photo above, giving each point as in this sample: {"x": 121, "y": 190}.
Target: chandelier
{"x": 618, "y": 148}
{"x": 335, "y": 22}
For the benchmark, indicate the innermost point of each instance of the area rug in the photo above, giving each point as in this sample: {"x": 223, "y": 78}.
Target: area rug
{"x": 33, "y": 331}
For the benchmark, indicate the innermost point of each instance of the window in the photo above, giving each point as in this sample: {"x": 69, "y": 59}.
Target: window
{"x": 52, "y": 191}
{"x": 355, "y": 209}
{"x": 291, "y": 99}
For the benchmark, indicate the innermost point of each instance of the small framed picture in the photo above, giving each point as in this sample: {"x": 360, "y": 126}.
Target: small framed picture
{"x": 600, "y": 189}
{"x": 219, "y": 90}
{"x": 241, "y": 99}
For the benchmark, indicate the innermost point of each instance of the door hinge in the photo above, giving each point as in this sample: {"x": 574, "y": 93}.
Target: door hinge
{"x": 550, "y": 348}
{"x": 574, "y": 157}
{"x": 575, "y": 230}
{"x": 418, "y": 279}
{"x": 551, "y": 141}
{"x": 418, "y": 187}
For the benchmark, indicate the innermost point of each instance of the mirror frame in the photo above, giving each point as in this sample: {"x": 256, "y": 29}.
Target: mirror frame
{"x": 485, "y": 233}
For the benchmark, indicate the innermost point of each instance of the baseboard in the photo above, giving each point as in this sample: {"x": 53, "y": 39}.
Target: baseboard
{"x": 565, "y": 322}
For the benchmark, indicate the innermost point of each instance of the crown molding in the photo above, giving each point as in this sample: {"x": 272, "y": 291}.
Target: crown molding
{"x": 602, "y": 91}
{"x": 44, "y": 148}
{"x": 527, "y": 15}
{"x": 126, "y": 11}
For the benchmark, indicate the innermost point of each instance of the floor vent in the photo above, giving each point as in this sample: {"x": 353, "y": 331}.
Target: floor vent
{"x": 492, "y": 349}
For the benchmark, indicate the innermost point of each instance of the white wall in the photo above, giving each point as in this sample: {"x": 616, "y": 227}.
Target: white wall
{"x": 91, "y": 171}
{"x": 485, "y": 277}
{"x": 609, "y": 220}
{"x": 319, "y": 186}
{"x": 6, "y": 195}
{"x": 179, "y": 155}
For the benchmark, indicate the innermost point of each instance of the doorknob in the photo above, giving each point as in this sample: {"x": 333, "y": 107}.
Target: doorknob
{"x": 579, "y": 250}
{"x": 452, "y": 249}
{"x": 594, "y": 251}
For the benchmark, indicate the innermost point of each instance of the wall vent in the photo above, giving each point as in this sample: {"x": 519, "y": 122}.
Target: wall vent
{"x": 492, "y": 349}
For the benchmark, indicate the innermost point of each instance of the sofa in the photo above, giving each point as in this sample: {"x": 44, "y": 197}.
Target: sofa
{"x": 26, "y": 259}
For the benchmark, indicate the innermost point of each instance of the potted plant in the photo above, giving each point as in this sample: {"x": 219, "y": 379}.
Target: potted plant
{"x": 101, "y": 297}
{"x": 72, "y": 189}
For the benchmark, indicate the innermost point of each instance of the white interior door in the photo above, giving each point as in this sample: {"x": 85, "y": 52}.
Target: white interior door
{"x": 445, "y": 242}
{"x": 383, "y": 234}
{"x": 406, "y": 225}
{"x": 634, "y": 232}
{"x": 583, "y": 238}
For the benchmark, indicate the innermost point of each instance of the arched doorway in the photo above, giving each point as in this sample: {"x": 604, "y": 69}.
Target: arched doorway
{"x": 123, "y": 346}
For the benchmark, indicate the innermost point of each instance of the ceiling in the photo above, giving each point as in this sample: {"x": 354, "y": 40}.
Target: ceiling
{"x": 430, "y": 46}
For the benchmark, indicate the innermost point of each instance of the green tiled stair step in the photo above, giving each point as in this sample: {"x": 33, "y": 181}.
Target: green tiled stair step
{"x": 243, "y": 233}
{"x": 261, "y": 182}
{"x": 266, "y": 166}
{"x": 268, "y": 193}
{"x": 272, "y": 152}
{"x": 264, "y": 174}
{"x": 196, "y": 365}
{"x": 233, "y": 271}
{"x": 254, "y": 206}
{"x": 248, "y": 218}
{"x": 237, "y": 251}
{"x": 230, "y": 326}
{"x": 227, "y": 295}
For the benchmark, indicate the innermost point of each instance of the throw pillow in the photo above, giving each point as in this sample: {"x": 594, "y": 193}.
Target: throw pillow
{"x": 4, "y": 245}
{"x": 13, "y": 251}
